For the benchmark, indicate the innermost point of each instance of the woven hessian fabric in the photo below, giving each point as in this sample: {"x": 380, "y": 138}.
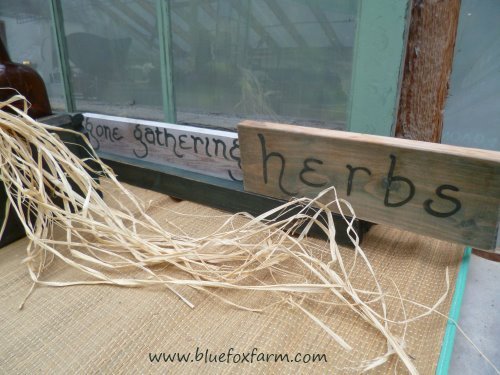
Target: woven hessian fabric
{"x": 108, "y": 329}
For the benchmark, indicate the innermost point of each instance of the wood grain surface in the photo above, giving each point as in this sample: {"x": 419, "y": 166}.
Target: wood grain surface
{"x": 428, "y": 62}
{"x": 446, "y": 192}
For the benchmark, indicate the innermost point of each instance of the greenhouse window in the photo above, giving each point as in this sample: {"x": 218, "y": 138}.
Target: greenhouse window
{"x": 214, "y": 63}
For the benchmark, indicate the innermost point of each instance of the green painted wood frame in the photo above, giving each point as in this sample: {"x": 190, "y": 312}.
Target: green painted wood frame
{"x": 378, "y": 60}
{"x": 62, "y": 52}
{"x": 165, "y": 40}
{"x": 379, "y": 52}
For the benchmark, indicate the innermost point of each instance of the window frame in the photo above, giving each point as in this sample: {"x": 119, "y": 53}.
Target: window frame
{"x": 379, "y": 52}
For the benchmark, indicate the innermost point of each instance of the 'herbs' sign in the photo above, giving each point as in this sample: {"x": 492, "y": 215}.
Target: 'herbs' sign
{"x": 446, "y": 192}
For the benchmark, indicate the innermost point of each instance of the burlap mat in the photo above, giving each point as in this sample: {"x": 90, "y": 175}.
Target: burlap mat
{"x": 106, "y": 329}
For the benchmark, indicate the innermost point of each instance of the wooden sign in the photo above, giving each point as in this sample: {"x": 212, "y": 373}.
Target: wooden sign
{"x": 207, "y": 151}
{"x": 446, "y": 192}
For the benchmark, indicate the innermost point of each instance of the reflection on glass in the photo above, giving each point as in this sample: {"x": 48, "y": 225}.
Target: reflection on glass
{"x": 114, "y": 56}
{"x": 25, "y": 28}
{"x": 279, "y": 60}
{"x": 472, "y": 112}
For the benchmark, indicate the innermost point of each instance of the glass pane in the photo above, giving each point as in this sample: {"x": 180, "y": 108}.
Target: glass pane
{"x": 279, "y": 60}
{"x": 472, "y": 112}
{"x": 114, "y": 56}
{"x": 25, "y": 28}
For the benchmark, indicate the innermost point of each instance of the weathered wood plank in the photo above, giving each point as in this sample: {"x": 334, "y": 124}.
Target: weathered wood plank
{"x": 447, "y": 192}
{"x": 429, "y": 57}
{"x": 212, "y": 152}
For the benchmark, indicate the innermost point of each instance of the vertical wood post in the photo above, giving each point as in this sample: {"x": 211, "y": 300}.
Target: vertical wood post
{"x": 429, "y": 58}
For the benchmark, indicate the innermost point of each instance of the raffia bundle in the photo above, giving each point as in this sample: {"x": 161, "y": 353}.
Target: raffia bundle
{"x": 52, "y": 192}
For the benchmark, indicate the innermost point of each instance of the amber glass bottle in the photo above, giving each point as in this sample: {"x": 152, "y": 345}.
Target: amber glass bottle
{"x": 25, "y": 80}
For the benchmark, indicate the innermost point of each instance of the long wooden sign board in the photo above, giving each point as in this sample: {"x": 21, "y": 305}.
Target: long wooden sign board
{"x": 447, "y": 192}
{"x": 212, "y": 152}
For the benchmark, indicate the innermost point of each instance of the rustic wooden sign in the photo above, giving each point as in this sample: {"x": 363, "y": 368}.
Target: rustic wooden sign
{"x": 446, "y": 192}
{"x": 207, "y": 151}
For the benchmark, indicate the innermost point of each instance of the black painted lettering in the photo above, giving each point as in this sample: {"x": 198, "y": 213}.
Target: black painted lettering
{"x": 90, "y": 128}
{"x": 195, "y": 142}
{"x": 116, "y": 135}
{"x": 307, "y": 169}
{"x": 171, "y": 136}
{"x": 107, "y": 133}
{"x": 391, "y": 179}
{"x": 231, "y": 176}
{"x": 265, "y": 159}
{"x": 138, "y": 137}
{"x": 235, "y": 147}
{"x": 352, "y": 171}
{"x": 182, "y": 141}
{"x": 207, "y": 143}
{"x": 439, "y": 193}
{"x": 218, "y": 142}
{"x": 99, "y": 131}
{"x": 159, "y": 133}
{"x": 149, "y": 135}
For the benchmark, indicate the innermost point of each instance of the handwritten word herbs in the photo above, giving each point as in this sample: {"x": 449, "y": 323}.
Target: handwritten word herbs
{"x": 314, "y": 174}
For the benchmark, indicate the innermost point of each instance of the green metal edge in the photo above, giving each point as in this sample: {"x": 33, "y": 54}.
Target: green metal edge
{"x": 378, "y": 62}
{"x": 449, "y": 335}
{"x": 62, "y": 52}
{"x": 164, "y": 38}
